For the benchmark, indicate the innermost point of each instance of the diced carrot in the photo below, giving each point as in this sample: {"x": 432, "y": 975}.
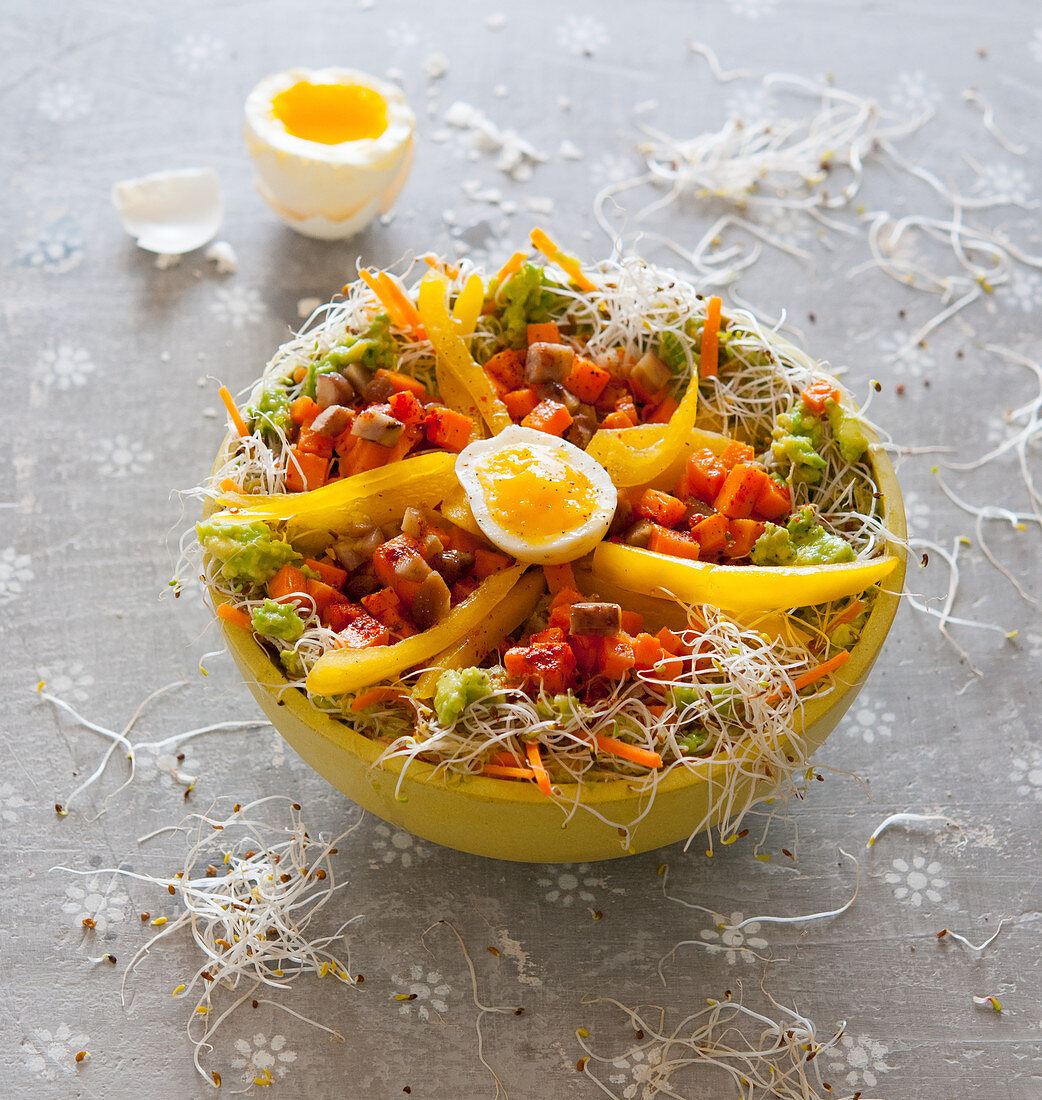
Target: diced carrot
{"x": 736, "y": 452}
{"x": 663, "y": 411}
{"x": 340, "y": 614}
{"x": 552, "y": 635}
{"x": 235, "y": 615}
{"x": 711, "y": 533}
{"x": 314, "y": 443}
{"x": 661, "y": 507}
{"x": 774, "y": 500}
{"x": 405, "y": 406}
{"x": 458, "y": 539}
{"x": 487, "y": 562}
{"x": 330, "y": 574}
{"x": 739, "y": 493}
{"x": 742, "y": 534}
{"x": 305, "y": 471}
{"x": 383, "y": 605}
{"x": 610, "y": 396}
{"x": 632, "y": 621}
{"x": 365, "y": 454}
{"x": 586, "y": 380}
{"x": 233, "y": 412}
{"x": 406, "y": 441}
{"x": 551, "y": 665}
{"x": 614, "y": 747}
{"x": 616, "y": 656}
{"x": 289, "y": 580}
{"x": 550, "y": 417}
{"x": 675, "y": 543}
{"x": 447, "y": 428}
{"x": 671, "y": 642}
{"x": 561, "y": 616}
{"x": 508, "y": 367}
{"x": 546, "y": 332}
{"x": 227, "y": 485}
{"x": 704, "y": 475}
{"x": 463, "y": 588}
{"x": 345, "y": 442}
{"x": 402, "y": 383}
{"x": 818, "y": 394}
{"x": 519, "y": 403}
{"x": 374, "y": 695}
{"x": 647, "y": 651}
{"x": 559, "y": 577}
{"x": 709, "y": 353}
{"x": 626, "y": 405}
{"x": 304, "y": 411}
{"x": 616, "y": 420}
{"x": 323, "y": 594}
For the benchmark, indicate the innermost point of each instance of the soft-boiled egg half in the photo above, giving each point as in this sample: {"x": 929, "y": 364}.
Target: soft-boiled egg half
{"x": 332, "y": 147}
{"x": 536, "y": 497}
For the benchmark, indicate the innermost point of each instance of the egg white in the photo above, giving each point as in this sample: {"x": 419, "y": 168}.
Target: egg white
{"x": 568, "y": 544}
{"x": 328, "y": 191}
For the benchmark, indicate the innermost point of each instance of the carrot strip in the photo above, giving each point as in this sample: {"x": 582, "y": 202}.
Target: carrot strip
{"x": 614, "y": 747}
{"x": 559, "y": 577}
{"x": 535, "y": 760}
{"x": 408, "y": 311}
{"x": 233, "y": 412}
{"x": 565, "y": 263}
{"x": 510, "y": 267}
{"x": 849, "y": 613}
{"x": 386, "y": 301}
{"x": 501, "y": 771}
{"x": 374, "y": 695}
{"x": 235, "y": 616}
{"x": 710, "y": 351}
{"x": 811, "y": 675}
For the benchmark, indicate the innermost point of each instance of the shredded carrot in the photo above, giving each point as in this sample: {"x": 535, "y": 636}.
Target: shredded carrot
{"x": 505, "y": 759}
{"x": 228, "y": 486}
{"x": 435, "y": 263}
{"x": 374, "y": 695}
{"x": 501, "y": 771}
{"x": 512, "y": 265}
{"x": 535, "y": 760}
{"x": 408, "y": 311}
{"x": 614, "y": 747}
{"x": 816, "y": 673}
{"x": 566, "y": 263}
{"x": 235, "y": 616}
{"x": 848, "y": 614}
{"x": 233, "y": 412}
{"x": 710, "y": 351}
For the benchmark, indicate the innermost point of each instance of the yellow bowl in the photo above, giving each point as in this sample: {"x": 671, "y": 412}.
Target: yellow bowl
{"x": 505, "y": 819}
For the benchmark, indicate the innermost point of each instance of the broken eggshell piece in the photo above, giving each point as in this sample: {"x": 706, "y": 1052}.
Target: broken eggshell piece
{"x": 332, "y": 148}
{"x": 170, "y": 212}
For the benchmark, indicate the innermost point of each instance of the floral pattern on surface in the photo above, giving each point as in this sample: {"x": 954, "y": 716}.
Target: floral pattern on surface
{"x": 734, "y": 943}
{"x": 1001, "y": 178}
{"x": 197, "y": 52}
{"x": 611, "y": 168}
{"x": 68, "y": 682}
{"x": 567, "y": 883}
{"x": 63, "y": 102}
{"x": 122, "y": 457}
{"x": 16, "y": 572}
{"x": 1024, "y": 290}
{"x": 396, "y": 846}
{"x": 47, "y": 1052}
{"x": 262, "y": 1060}
{"x": 11, "y": 801}
{"x": 581, "y": 34}
{"x": 909, "y": 362}
{"x": 56, "y": 249}
{"x": 95, "y": 898}
{"x": 859, "y": 1060}
{"x": 425, "y": 991}
{"x": 915, "y": 93}
{"x": 631, "y": 1072}
{"x": 239, "y": 306}
{"x": 64, "y": 366}
{"x": 913, "y": 882}
{"x": 870, "y": 721}
{"x": 153, "y": 765}
{"x": 1026, "y": 774}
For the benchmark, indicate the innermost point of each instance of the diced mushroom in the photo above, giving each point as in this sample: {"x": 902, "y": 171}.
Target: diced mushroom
{"x": 332, "y": 421}
{"x": 347, "y": 554}
{"x": 548, "y": 363}
{"x": 333, "y": 389}
{"x": 596, "y": 620}
{"x": 363, "y": 584}
{"x": 411, "y": 567}
{"x": 623, "y": 518}
{"x": 453, "y": 564}
{"x": 358, "y": 376}
{"x": 640, "y": 534}
{"x": 432, "y": 545}
{"x": 558, "y": 393}
{"x": 413, "y": 523}
{"x": 378, "y": 427}
{"x": 431, "y": 602}
{"x": 582, "y": 431}
{"x": 651, "y": 373}
{"x": 379, "y": 389}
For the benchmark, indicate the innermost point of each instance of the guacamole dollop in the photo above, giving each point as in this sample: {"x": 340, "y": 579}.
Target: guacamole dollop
{"x": 457, "y": 689}
{"x": 277, "y": 620}
{"x": 803, "y": 541}
{"x": 528, "y": 297}
{"x": 248, "y": 552}
{"x": 796, "y": 443}
{"x": 846, "y": 429}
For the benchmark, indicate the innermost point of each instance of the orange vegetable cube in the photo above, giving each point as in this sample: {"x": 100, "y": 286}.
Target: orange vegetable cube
{"x": 314, "y": 443}
{"x": 736, "y": 452}
{"x": 739, "y": 493}
{"x": 546, "y": 332}
{"x": 677, "y": 544}
{"x": 661, "y": 507}
{"x": 704, "y": 476}
{"x": 742, "y": 534}
{"x": 303, "y": 411}
{"x": 586, "y": 380}
{"x": 550, "y": 417}
{"x": 487, "y": 562}
{"x": 774, "y": 500}
{"x": 508, "y": 368}
{"x": 632, "y": 621}
{"x": 616, "y": 656}
{"x": 405, "y": 406}
{"x": 447, "y": 428}
{"x": 330, "y": 574}
{"x": 519, "y": 403}
{"x": 362, "y": 632}
{"x": 618, "y": 420}
{"x": 288, "y": 581}
{"x": 305, "y": 471}
{"x": 610, "y": 396}
{"x": 818, "y": 394}
{"x": 323, "y": 594}
{"x": 711, "y": 533}
{"x": 402, "y": 382}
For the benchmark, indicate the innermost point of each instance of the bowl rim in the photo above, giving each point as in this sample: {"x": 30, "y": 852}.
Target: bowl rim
{"x": 255, "y": 657}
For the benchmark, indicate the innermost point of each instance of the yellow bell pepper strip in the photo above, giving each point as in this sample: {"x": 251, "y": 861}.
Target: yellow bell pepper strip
{"x": 452, "y": 353}
{"x": 608, "y": 443}
{"x": 467, "y": 308}
{"x": 567, "y": 264}
{"x": 374, "y": 497}
{"x": 740, "y": 588}
{"x": 345, "y": 670}
{"x": 508, "y": 614}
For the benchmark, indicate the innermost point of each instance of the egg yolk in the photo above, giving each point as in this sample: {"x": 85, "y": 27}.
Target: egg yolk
{"x": 331, "y": 113}
{"x": 534, "y": 496}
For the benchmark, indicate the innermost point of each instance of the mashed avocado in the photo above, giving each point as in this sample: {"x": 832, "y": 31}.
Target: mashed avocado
{"x": 849, "y": 437}
{"x": 247, "y": 551}
{"x": 271, "y": 411}
{"x": 457, "y": 689}
{"x": 277, "y": 620}
{"x": 375, "y": 349}
{"x": 797, "y": 438}
{"x": 802, "y": 542}
{"x": 528, "y": 297}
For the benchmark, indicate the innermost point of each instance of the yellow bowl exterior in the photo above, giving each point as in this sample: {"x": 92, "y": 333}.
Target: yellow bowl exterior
{"x": 504, "y": 819}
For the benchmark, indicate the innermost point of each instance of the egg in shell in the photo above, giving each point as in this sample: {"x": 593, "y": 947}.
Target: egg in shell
{"x": 332, "y": 147}
{"x": 538, "y": 498}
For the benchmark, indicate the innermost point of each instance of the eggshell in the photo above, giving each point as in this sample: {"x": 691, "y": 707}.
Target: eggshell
{"x": 170, "y": 212}
{"x": 328, "y": 191}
